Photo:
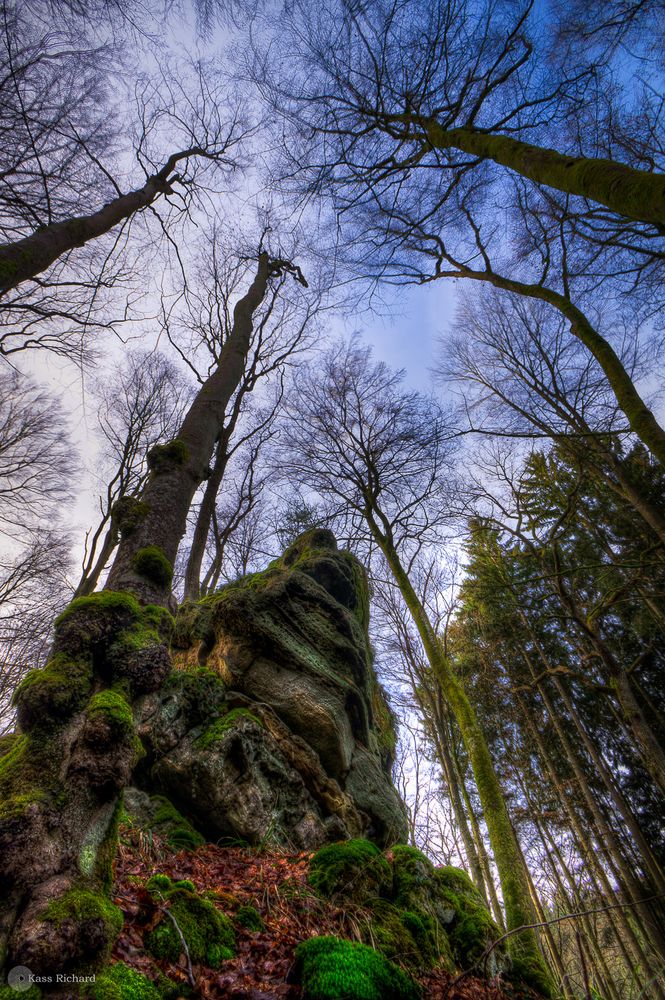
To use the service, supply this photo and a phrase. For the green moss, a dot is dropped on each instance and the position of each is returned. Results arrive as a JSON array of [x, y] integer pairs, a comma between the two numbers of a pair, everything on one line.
[[151, 563], [220, 727], [28, 774], [7, 742], [352, 868], [159, 619], [54, 692], [406, 936], [185, 883], [127, 513], [168, 822], [525, 971], [88, 624], [163, 457], [472, 928], [249, 918], [113, 709], [159, 883], [412, 876], [120, 982], [331, 968], [209, 934], [9, 993], [84, 905]]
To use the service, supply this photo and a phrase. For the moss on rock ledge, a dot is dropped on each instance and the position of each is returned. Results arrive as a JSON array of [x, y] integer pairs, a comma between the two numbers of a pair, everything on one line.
[[355, 869]]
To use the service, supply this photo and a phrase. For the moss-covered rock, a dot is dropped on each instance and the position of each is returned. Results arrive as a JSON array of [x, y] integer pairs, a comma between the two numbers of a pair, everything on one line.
[[354, 869], [208, 934], [316, 753], [330, 968], [87, 923], [412, 876], [405, 936], [472, 928], [124, 640], [179, 832]]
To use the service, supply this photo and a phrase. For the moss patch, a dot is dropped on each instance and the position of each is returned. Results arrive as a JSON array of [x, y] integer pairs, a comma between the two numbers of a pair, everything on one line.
[[28, 775], [220, 727], [413, 873], [330, 968], [472, 928], [249, 918], [163, 457], [168, 822], [209, 934], [120, 982], [112, 708], [127, 513], [353, 868], [55, 692], [151, 563]]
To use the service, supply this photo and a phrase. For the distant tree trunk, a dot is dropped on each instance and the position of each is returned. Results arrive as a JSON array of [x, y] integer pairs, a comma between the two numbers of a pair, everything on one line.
[[634, 889], [640, 418], [506, 849], [61, 783], [594, 854]]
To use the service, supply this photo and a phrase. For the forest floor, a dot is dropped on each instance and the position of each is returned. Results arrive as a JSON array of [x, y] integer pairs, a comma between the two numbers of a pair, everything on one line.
[[274, 882]]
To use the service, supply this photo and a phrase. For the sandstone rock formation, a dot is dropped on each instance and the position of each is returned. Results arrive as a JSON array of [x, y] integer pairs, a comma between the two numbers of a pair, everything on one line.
[[274, 728]]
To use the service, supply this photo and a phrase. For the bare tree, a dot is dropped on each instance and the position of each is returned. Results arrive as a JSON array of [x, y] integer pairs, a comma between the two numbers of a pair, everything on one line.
[[36, 467], [382, 455], [75, 223], [199, 327], [524, 377]]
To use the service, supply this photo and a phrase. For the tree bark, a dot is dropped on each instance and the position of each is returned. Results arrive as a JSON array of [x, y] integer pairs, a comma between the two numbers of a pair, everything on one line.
[[635, 194], [640, 418], [31, 255], [505, 846], [203, 521], [183, 465]]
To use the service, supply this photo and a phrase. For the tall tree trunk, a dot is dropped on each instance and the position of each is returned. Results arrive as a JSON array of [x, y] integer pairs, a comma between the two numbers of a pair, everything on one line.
[[635, 194], [524, 946], [640, 418], [179, 467], [28, 257], [203, 521], [61, 783]]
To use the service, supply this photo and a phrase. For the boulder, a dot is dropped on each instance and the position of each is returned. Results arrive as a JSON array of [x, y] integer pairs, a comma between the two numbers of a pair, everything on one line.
[[274, 728]]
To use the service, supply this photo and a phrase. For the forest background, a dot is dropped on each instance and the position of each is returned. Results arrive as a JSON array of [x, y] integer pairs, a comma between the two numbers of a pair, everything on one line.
[[304, 203]]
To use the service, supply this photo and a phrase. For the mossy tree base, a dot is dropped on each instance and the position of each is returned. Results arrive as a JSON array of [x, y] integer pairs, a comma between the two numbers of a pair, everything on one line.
[[61, 782]]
